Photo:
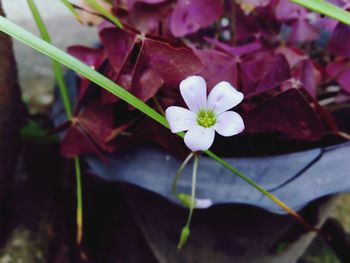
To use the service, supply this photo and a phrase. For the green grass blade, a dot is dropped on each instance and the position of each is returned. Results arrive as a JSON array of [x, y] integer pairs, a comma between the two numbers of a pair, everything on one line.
[[72, 9], [326, 8], [31, 40], [55, 65], [103, 11], [67, 104]]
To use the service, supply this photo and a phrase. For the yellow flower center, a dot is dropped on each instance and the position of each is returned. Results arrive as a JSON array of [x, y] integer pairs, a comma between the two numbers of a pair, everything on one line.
[[206, 118]]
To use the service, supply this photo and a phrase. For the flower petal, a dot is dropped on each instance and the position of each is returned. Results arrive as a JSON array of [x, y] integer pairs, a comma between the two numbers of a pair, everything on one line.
[[223, 97], [194, 91], [203, 203], [180, 119], [199, 138], [229, 123]]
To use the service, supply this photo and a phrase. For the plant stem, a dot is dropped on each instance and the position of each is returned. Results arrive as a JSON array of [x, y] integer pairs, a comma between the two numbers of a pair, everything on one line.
[[67, 104], [79, 196], [179, 172], [55, 65], [71, 9], [186, 229], [103, 11]]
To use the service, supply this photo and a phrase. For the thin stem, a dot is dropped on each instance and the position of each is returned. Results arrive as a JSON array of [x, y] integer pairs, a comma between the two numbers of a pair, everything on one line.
[[179, 172], [67, 104], [55, 65], [71, 9], [193, 189], [103, 11], [79, 194], [186, 229]]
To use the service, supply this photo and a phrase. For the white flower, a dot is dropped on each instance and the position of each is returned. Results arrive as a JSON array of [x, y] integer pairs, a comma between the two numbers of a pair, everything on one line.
[[205, 115]]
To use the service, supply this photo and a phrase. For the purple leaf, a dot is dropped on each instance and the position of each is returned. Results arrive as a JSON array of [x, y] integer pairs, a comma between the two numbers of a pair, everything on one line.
[[340, 41], [292, 54], [218, 66], [263, 71], [308, 75], [235, 50], [173, 64], [90, 56], [288, 113], [340, 70], [118, 44], [191, 15]]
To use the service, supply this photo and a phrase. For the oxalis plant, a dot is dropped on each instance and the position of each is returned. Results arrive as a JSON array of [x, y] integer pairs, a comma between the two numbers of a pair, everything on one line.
[[158, 56]]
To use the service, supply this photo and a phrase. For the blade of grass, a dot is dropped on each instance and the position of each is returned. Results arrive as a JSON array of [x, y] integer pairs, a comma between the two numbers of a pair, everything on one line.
[[325, 8], [56, 66], [31, 40], [67, 104], [71, 9], [103, 11]]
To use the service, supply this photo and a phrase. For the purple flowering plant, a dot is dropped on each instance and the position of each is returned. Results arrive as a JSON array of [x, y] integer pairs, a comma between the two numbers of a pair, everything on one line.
[[289, 64], [285, 69]]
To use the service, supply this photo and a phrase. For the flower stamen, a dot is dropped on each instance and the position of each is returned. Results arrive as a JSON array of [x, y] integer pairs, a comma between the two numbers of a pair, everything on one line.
[[206, 118]]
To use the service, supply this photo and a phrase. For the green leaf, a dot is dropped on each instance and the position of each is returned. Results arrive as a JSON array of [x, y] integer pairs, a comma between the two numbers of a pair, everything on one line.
[[34, 132], [325, 8], [103, 11]]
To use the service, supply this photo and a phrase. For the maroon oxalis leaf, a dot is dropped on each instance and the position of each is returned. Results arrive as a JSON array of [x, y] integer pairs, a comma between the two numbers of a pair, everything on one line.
[[157, 62], [118, 44], [131, 3], [287, 113], [303, 23], [263, 71], [292, 54], [340, 41], [190, 15], [236, 51], [260, 24], [340, 70], [308, 75], [173, 64], [218, 66], [145, 82], [93, 57], [303, 31], [90, 56], [89, 131]]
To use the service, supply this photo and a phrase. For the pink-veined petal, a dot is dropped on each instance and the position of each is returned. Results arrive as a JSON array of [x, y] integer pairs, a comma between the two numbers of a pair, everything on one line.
[[194, 92], [223, 97], [229, 123], [180, 119], [199, 138]]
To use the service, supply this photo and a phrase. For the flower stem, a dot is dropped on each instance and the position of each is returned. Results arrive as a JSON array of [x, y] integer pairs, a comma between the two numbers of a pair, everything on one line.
[[185, 233], [67, 104], [79, 212], [179, 172]]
